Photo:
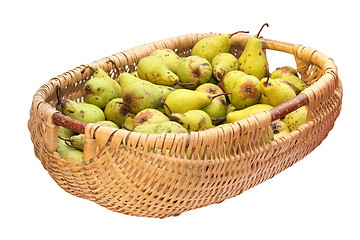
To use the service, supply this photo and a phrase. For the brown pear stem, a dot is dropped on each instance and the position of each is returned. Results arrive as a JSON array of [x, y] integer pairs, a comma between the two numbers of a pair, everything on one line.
[[167, 106], [232, 34], [219, 118], [185, 84], [220, 94], [258, 34]]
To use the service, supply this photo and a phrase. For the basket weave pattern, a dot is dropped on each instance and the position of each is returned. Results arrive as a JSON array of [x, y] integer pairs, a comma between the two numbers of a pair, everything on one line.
[[162, 175]]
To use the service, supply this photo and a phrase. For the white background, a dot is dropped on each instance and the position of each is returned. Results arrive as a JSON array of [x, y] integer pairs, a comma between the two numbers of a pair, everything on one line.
[[317, 198]]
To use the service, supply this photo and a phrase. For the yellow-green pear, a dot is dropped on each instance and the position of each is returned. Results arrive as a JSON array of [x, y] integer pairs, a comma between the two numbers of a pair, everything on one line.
[[116, 111], [223, 63], [148, 116], [276, 91], [155, 70], [245, 91], [244, 113], [279, 129], [287, 73], [82, 111], [211, 46], [193, 120], [98, 91], [225, 82], [171, 59], [253, 59], [169, 127], [100, 73], [296, 118]]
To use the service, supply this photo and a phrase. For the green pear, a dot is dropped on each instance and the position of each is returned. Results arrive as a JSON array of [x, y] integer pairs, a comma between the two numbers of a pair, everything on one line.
[[65, 133], [253, 60], [224, 63], [296, 118], [217, 108], [183, 100], [148, 116], [82, 111], [245, 91], [108, 123], [193, 120], [77, 141], [74, 154], [98, 91], [246, 112], [211, 46], [116, 111], [279, 129], [100, 73], [287, 73], [161, 127], [129, 122], [276, 91], [140, 94], [171, 59], [194, 71], [226, 81], [155, 70], [134, 73]]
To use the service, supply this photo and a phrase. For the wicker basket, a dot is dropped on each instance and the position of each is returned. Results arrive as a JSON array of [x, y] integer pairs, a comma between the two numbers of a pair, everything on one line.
[[162, 175]]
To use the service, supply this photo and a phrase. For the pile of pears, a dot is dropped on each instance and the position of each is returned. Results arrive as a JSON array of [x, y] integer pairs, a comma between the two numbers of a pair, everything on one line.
[[171, 94]]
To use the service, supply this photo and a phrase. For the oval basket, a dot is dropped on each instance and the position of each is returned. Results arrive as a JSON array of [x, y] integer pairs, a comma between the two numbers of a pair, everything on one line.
[[162, 175]]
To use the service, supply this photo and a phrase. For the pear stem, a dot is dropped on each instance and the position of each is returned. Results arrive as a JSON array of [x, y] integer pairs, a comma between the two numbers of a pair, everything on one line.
[[219, 118], [232, 34], [265, 24], [123, 126], [185, 84], [66, 141], [220, 94], [167, 106]]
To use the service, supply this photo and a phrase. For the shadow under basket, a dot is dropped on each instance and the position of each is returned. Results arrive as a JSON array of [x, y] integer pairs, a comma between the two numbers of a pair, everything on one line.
[[162, 175]]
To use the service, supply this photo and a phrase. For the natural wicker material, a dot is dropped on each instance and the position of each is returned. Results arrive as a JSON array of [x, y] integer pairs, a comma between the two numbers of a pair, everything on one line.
[[164, 175]]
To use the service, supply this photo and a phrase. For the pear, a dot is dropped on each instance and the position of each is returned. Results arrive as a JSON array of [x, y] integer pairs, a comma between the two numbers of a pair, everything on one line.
[[134, 73], [155, 70], [108, 124], [98, 91], [161, 127], [129, 122], [62, 145], [224, 63], [82, 111], [279, 129], [65, 133], [171, 59], [100, 73], [74, 154], [194, 71], [276, 91], [148, 116], [77, 141], [140, 94], [217, 108], [116, 111], [166, 90], [296, 118], [245, 91], [253, 60], [244, 113], [227, 79], [183, 100], [211, 46], [193, 120], [289, 74]]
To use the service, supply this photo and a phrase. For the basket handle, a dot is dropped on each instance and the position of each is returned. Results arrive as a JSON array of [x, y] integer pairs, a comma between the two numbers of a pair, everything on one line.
[[276, 113]]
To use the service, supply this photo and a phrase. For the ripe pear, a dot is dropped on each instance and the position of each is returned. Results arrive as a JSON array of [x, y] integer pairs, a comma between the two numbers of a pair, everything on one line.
[[287, 73], [74, 154], [224, 63], [276, 91], [194, 71], [193, 120], [279, 129], [217, 108], [129, 122], [77, 141], [148, 116], [82, 111], [244, 113], [211, 46], [183, 100], [245, 91], [296, 118], [134, 73], [116, 111], [65, 133], [161, 127], [155, 70], [140, 94], [253, 60], [171, 59], [100, 73], [108, 123], [227, 79], [98, 91]]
